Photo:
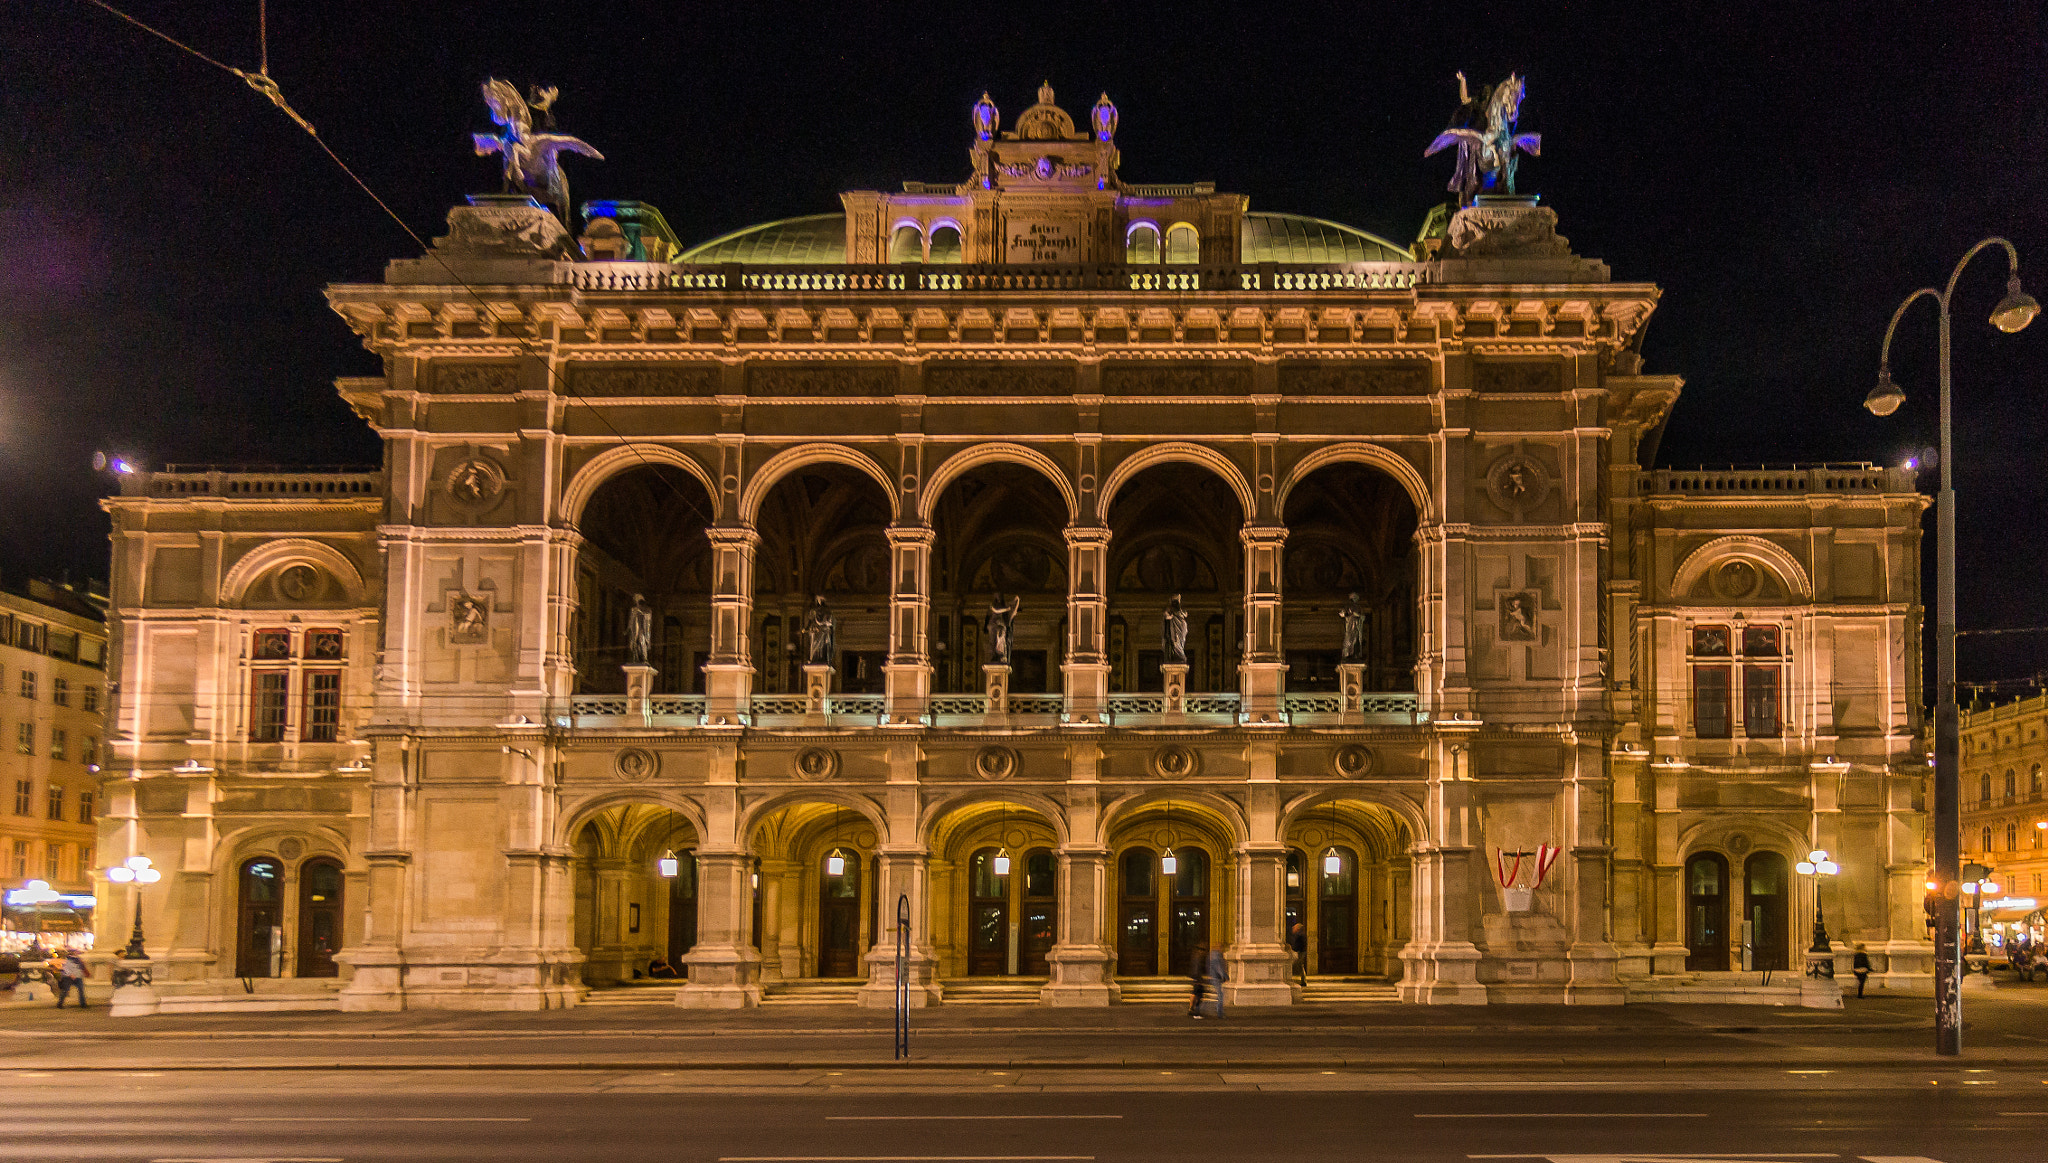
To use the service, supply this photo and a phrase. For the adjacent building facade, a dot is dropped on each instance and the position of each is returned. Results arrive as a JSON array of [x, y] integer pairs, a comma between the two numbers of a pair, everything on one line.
[[1083, 572], [53, 686], [2005, 816]]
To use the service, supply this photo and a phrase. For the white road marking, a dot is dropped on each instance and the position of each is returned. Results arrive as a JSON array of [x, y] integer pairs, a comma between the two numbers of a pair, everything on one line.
[[1566, 1115], [949, 1118], [1716, 1158], [259, 1159], [901, 1158], [376, 1119]]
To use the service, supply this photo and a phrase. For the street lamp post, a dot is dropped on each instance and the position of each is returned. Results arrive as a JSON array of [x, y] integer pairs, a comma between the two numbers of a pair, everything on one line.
[[2013, 312], [1817, 865], [136, 870]]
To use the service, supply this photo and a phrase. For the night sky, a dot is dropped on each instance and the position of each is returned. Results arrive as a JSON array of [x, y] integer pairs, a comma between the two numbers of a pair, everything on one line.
[[1786, 173]]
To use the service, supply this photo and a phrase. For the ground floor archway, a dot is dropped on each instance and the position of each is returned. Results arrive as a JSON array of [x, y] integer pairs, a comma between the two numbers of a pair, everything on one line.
[[634, 872]]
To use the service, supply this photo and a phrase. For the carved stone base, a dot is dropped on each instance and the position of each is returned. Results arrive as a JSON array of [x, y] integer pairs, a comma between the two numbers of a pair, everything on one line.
[[921, 980], [817, 685], [1260, 975], [1080, 977], [995, 683], [1174, 677], [720, 979], [135, 993], [1819, 990], [639, 687], [1506, 225], [1351, 689]]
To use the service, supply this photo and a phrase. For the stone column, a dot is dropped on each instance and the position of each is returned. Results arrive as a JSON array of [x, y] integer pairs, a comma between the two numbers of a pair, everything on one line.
[[378, 983], [908, 672], [1080, 963], [904, 874], [1087, 665], [729, 673], [724, 968], [1260, 961], [1441, 960], [610, 960], [772, 872], [1262, 673]]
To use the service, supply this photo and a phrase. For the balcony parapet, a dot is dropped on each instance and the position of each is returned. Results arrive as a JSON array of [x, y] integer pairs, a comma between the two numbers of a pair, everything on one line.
[[1785, 480], [969, 712], [728, 278], [321, 482]]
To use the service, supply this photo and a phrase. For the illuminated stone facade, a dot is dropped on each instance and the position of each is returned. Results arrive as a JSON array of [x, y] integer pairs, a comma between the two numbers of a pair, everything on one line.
[[2005, 803], [1435, 616]]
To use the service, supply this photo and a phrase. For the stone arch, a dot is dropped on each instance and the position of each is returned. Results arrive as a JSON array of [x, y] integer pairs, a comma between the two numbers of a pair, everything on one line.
[[1765, 833], [1055, 815], [576, 813], [866, 808], [974, 456], [1404, 809], [1359, 452], [263, 838], [1168, 452], [789, 460], [1119, 811], [613, 461], [1761, 551], [254, 564]]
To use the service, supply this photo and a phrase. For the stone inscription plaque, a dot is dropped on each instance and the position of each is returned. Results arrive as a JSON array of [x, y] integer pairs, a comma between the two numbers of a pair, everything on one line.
[[1523, 376], [968, 379], [1130, 378], [821, 381], [474, 379], [1394, 379], [1046, 240], [642, 379]]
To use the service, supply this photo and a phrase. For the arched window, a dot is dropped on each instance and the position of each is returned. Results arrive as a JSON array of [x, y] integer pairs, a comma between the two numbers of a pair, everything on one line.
[[907, 244], [1137, 950], [1041, 911], [1183, 244], [1987, 839], [259, 939], [2012, 837], [946, 245], [2011, 784], [1142, 244], [1190, 905]]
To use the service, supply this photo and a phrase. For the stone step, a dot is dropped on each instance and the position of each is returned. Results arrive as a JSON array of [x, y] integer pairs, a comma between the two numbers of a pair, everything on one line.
[[813, 991], [663, 994]]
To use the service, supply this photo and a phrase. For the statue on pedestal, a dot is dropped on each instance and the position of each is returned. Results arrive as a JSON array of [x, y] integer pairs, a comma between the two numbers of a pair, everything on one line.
[[1353, 617], [1174, 635], [818, 626], [639, 632], [531, 167], [1483, 129], [1002, 619]]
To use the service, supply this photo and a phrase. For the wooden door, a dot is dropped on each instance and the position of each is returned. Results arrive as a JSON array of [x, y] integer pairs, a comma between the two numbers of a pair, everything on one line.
[[839, 917], [988, 916], [1041, 912], [1765, 887], [319, 918], [259, 932], [1706, 912], [1189, 901], [1137, 944], [1297, 894], [1337, 912], [682, 909]]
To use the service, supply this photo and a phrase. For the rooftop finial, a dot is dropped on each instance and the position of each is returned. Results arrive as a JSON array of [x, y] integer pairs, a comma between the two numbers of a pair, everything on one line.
[[985, 117], [1103, 117], [1045, 93]]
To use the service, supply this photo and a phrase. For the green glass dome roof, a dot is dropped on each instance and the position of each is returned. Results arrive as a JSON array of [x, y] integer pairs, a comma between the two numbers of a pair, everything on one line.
[[812, 239], [1270, 237]]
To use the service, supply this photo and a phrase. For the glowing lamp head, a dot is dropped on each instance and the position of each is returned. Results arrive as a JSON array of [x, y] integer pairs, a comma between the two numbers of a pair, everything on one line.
[[120, 875], [1829, 868], [835, 864], [2016, 310], [1970, 887], [1002, 862], [668, 864], [1805, 867], [1293, 878], [1992, 888], [147, 876], [1885, 398], [1169, 863], [1332, 863], [1931, 886]]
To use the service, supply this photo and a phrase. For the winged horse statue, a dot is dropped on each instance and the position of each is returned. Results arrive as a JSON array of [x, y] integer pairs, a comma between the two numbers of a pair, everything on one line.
[[531, 166], [1483, 129]]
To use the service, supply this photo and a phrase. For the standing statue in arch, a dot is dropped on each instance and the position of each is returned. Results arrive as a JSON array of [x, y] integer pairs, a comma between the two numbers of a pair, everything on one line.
[[1353, 617], [531, 167], [1002, 624], [1483, 129], [639, 632], [1174, 634], [818, 625]]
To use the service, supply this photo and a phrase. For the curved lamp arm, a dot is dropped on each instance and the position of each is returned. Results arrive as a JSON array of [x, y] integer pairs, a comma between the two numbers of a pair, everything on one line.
[[1884, 360], [2012, 264]]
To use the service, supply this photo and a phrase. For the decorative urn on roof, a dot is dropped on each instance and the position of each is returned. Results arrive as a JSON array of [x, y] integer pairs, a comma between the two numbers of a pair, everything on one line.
[[1103, 118]]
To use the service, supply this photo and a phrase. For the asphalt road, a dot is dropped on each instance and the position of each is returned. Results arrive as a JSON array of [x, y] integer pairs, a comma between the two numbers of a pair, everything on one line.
[[1951, 1115]]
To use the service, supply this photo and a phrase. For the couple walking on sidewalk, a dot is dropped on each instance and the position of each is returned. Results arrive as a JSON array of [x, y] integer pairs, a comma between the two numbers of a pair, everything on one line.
[[1205, 971]]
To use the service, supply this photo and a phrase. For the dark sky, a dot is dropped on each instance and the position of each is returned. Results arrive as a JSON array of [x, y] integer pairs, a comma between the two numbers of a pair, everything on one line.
[[1785, 172]]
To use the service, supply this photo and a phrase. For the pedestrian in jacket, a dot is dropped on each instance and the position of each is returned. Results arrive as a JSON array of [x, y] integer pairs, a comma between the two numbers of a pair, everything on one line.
[[1860, 966]]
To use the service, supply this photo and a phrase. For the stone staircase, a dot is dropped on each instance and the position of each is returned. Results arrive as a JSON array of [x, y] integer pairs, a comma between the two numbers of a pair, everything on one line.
[[992, 991], [1349, 991], [634, 993], [812, 991]]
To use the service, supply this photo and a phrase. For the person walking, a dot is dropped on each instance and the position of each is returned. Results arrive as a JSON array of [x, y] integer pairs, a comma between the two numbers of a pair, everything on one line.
[[1198, 977], [71, 974], [1860, 966], [1297, 940], [1217, 975]]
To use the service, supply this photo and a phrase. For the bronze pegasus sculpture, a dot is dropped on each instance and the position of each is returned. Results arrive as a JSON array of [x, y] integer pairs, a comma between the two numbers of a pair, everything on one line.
[[531, 166], [1483, 129]]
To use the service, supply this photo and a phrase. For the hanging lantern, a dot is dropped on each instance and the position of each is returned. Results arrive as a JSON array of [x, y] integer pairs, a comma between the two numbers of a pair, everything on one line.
[[835, 864], [1332, 863], [1294, 878], [1168, 863], [1002, 862], [668, 864]]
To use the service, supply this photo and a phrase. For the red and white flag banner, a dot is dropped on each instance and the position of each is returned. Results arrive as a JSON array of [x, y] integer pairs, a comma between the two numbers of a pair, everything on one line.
[[1546, 855], [1505, 872]]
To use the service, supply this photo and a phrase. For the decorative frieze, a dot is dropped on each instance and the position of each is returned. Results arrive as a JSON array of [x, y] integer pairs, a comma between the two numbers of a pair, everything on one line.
[[981, 379], [473, 379], [1518, 376], [1134, 378], [644, 379], [821, 381], [1355, 379]]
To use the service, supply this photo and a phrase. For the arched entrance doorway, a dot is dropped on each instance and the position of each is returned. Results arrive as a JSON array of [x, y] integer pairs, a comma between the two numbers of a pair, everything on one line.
[[1706, 912], [994, 877], [319, 917], [817, 898], [1348, 878], [634, 871], [259, 941], [1767, 909], [1173, 866], [644, 534], [1350, 530]]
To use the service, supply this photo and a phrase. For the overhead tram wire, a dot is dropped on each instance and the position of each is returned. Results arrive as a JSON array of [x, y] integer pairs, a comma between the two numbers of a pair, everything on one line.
[[261, 81]]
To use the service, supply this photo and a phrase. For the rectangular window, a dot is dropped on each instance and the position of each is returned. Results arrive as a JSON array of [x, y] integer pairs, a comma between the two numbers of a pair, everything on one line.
[[84, 863], [1710, 642], [28, 684], [56, 802], [25, 738], [89, 751], [323, 706], [58, 743], [267, 706], [64, 645], [85, 807], [53, 853], [60, 691], [1710, 702], [323, 645], [89, 698], [272, 644], [24, 794]]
